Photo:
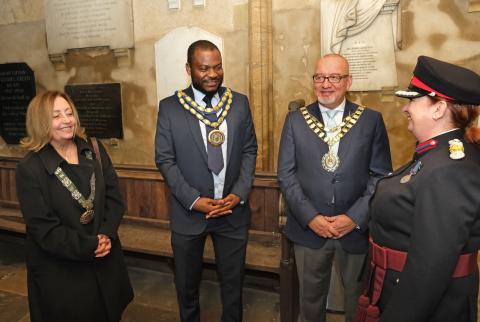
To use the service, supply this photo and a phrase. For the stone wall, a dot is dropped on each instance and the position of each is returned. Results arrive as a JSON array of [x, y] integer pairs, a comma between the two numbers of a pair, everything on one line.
[[270, 48]]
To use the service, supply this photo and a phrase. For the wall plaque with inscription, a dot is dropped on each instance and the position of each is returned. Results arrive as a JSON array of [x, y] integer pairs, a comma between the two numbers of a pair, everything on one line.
[[17, 88], [99, 108], [364, 32], [88, 23]]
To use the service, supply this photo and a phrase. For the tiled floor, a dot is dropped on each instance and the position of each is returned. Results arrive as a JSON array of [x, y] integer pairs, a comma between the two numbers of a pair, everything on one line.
[[154, 291]]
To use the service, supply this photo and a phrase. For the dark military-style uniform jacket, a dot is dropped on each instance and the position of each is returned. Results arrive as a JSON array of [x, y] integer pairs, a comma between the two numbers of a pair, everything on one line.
[[434, 215], [65, 280]]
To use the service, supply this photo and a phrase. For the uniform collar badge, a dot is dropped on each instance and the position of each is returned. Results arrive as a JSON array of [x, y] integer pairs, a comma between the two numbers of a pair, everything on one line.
[[456, 149]]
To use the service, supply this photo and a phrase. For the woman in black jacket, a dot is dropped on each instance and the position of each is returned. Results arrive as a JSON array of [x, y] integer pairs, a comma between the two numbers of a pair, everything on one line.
[[71, 203], [425, 217]]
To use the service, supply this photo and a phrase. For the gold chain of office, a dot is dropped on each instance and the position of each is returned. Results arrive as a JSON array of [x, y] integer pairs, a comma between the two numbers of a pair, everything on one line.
[[215, 137], [190, 105], [320, 130], [331, 161], [87, 204]]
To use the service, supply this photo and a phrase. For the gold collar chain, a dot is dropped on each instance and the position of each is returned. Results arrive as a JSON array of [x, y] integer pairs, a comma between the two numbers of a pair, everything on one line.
[[319, 129], [87, 204], [185, 99], [189, 104]]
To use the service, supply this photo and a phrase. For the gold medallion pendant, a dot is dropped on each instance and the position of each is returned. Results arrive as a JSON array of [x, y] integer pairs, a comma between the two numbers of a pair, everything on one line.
[[216, 137], [330, 161], [87, 217]]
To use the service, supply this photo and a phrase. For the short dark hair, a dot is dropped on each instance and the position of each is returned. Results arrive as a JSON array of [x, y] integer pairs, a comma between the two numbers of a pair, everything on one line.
[[199, 44]]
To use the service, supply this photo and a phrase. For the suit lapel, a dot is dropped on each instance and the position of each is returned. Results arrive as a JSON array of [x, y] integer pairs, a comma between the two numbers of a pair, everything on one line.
[[314, 110], [231, 125], [345, 142], [194, 126]]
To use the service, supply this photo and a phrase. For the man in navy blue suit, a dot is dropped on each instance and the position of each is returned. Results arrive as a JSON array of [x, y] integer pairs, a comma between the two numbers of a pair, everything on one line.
[[205, 148], [331, 154]]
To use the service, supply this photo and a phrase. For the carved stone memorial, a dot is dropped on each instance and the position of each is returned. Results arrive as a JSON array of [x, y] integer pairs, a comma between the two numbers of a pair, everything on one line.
[[366, 32], [99, 108], [17, 88], [88, 23]]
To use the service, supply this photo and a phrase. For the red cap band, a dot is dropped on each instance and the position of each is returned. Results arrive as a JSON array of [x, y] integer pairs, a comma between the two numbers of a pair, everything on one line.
[[418, 83]]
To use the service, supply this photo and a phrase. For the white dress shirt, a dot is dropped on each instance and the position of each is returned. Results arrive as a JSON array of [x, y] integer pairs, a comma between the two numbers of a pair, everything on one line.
[[338, 119], [218, 180]]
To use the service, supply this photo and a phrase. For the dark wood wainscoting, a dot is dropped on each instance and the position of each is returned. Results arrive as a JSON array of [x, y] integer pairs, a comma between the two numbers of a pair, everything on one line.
[[146, 222]]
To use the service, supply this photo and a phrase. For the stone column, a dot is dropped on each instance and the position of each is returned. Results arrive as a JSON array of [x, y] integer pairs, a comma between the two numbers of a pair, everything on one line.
[[260, 78]]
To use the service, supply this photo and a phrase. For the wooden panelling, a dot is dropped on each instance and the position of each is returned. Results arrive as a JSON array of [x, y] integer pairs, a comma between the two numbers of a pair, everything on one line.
[[146, 198]]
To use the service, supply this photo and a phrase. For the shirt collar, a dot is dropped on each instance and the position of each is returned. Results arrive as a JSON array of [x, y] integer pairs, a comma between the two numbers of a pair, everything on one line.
[[198, 96], [340, 107]]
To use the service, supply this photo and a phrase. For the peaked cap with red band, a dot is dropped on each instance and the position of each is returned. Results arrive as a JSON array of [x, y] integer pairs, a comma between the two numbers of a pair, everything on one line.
[[440, 79]]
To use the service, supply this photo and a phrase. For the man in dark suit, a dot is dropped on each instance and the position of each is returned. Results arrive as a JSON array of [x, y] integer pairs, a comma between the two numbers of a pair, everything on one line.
[[205, 148], [331, 154]]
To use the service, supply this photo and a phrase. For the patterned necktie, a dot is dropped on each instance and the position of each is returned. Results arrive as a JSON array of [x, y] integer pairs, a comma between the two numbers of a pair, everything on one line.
[[215, 156], [330, 119], [330, 122]]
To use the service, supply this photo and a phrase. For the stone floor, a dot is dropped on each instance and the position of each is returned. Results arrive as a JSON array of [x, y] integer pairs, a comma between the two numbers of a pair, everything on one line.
[[154, 290]]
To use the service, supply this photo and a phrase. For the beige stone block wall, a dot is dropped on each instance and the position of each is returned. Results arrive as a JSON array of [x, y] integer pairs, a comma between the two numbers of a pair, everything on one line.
[[444, 29], [22, 30]]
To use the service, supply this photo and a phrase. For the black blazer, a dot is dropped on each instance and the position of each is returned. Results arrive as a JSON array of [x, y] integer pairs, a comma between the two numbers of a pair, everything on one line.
[[435, 217], [181, 157], [309, 189], [60, 250]]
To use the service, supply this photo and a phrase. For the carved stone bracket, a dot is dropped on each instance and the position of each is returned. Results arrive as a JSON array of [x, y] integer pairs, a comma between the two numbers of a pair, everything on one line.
[[389, 6], [199, 3], [123, 56], [174, 4], [473, 5], [58, 61], [388, 94]]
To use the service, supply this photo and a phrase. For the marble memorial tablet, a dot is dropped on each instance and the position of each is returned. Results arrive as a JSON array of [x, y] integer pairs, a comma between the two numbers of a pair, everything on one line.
[[88, 23]]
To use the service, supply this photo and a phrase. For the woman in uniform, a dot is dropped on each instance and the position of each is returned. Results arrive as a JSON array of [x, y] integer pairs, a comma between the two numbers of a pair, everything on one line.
[[425, 217], [71, 203]]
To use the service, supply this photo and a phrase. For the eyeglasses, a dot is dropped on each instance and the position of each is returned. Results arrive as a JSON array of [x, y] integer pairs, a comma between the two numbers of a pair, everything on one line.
[[317, 78]]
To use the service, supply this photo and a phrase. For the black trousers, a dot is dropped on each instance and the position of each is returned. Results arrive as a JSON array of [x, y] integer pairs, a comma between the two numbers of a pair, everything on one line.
[[230, 246]]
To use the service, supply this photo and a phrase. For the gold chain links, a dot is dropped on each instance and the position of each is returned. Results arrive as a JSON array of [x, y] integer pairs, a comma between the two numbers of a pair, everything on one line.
[[320, 130], [190, 105]]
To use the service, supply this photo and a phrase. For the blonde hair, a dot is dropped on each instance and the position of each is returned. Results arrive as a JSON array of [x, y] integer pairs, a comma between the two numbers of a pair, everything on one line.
[[39, 120]]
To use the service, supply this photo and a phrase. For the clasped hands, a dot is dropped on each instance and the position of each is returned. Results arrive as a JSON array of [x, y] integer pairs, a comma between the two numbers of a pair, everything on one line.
[[104, 246], [332, 227], [216, 207]]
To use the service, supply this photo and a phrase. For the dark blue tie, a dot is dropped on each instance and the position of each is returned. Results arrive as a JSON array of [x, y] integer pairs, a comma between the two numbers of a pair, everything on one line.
[[215, 156]]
